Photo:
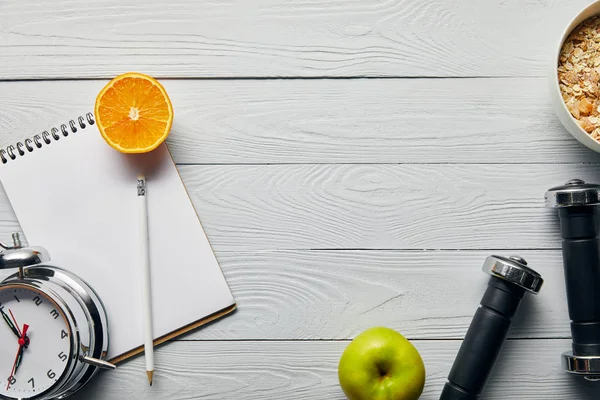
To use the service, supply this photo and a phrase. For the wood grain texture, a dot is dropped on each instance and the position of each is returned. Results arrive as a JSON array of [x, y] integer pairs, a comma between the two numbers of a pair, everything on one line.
[[420, 164], [379, 206], [308, 370], [338, 294], [329, 121], [314, 295], [274, 207], [277, 38]]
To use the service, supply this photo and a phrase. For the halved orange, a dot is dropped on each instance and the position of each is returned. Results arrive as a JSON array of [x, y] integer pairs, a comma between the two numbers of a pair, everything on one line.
[[134, 113]]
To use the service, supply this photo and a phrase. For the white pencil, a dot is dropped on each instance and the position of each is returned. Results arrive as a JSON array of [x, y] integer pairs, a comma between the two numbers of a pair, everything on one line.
[[145, 265]]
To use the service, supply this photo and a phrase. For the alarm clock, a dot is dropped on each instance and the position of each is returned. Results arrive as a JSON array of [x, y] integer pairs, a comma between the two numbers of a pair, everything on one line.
[[53, 328]]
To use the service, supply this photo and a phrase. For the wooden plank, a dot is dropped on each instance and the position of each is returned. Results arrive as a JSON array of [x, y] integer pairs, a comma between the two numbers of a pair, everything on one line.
[[329, 121], [338, 294], [379, 206], [276, 38], [308, 370], [275, 207]]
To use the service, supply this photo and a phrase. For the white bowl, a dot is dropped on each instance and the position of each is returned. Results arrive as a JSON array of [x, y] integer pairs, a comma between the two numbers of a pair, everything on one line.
[[560, 107]]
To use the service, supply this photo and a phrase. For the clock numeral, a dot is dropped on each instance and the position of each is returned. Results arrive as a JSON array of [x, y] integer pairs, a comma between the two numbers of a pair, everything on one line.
[[17, 299], [37, 300], [51, 374], [63, 334], [12, 380], [32, 383], [54, 313], [62, 356]]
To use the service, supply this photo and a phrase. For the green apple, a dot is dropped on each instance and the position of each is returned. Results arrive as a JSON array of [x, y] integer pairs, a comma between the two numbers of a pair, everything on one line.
[[381, 364]]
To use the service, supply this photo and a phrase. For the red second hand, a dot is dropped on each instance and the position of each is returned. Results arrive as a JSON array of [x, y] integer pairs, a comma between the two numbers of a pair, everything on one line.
[[22, 341], [15, 321]]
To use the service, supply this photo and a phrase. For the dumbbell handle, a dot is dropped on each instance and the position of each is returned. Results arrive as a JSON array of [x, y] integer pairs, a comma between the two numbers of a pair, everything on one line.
[[581, 257], [483, 341]]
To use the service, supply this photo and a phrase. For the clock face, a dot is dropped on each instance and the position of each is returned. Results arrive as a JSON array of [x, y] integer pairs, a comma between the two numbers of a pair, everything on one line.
[[35, 342]]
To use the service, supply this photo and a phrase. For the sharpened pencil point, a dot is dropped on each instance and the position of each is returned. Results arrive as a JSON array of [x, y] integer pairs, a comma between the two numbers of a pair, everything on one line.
[[150, 376]]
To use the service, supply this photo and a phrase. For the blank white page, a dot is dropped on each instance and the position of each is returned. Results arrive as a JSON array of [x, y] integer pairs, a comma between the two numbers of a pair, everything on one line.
[[77, 198]]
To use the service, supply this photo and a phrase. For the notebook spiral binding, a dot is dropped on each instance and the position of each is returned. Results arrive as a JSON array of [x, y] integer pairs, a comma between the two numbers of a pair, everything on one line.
[[45, 137]]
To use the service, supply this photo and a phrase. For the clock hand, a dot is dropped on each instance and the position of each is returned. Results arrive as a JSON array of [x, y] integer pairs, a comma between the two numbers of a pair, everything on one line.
[[19, 331], [15, 320], [10, 323], [22, 341], [12, 373]]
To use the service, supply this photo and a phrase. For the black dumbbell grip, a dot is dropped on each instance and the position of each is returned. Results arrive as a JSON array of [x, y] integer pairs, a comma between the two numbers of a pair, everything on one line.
[[483, 341], [581, 259]]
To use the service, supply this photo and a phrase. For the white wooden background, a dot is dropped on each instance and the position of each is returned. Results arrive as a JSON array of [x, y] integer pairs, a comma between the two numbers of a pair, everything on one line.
[[353, 163]]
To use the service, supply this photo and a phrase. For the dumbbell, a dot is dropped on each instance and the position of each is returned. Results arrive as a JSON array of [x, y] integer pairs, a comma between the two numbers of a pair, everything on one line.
[[510, 279], [579, 212]]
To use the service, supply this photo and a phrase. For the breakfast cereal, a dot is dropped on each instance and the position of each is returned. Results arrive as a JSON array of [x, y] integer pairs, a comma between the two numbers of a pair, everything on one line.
[[579, 74]]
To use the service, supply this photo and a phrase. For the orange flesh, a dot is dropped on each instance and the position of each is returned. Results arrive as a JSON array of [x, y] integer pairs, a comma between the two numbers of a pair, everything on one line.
[[134, 113]]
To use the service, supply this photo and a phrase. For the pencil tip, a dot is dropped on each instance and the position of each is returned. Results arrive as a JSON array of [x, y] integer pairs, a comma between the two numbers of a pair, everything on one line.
[[150, 376]]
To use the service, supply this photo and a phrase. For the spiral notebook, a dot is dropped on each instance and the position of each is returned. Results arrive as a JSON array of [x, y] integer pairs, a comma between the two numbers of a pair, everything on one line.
[[76, 196]]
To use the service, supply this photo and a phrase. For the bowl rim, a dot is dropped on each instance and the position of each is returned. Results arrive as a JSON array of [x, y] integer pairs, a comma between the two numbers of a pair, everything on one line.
[[593, 10]]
